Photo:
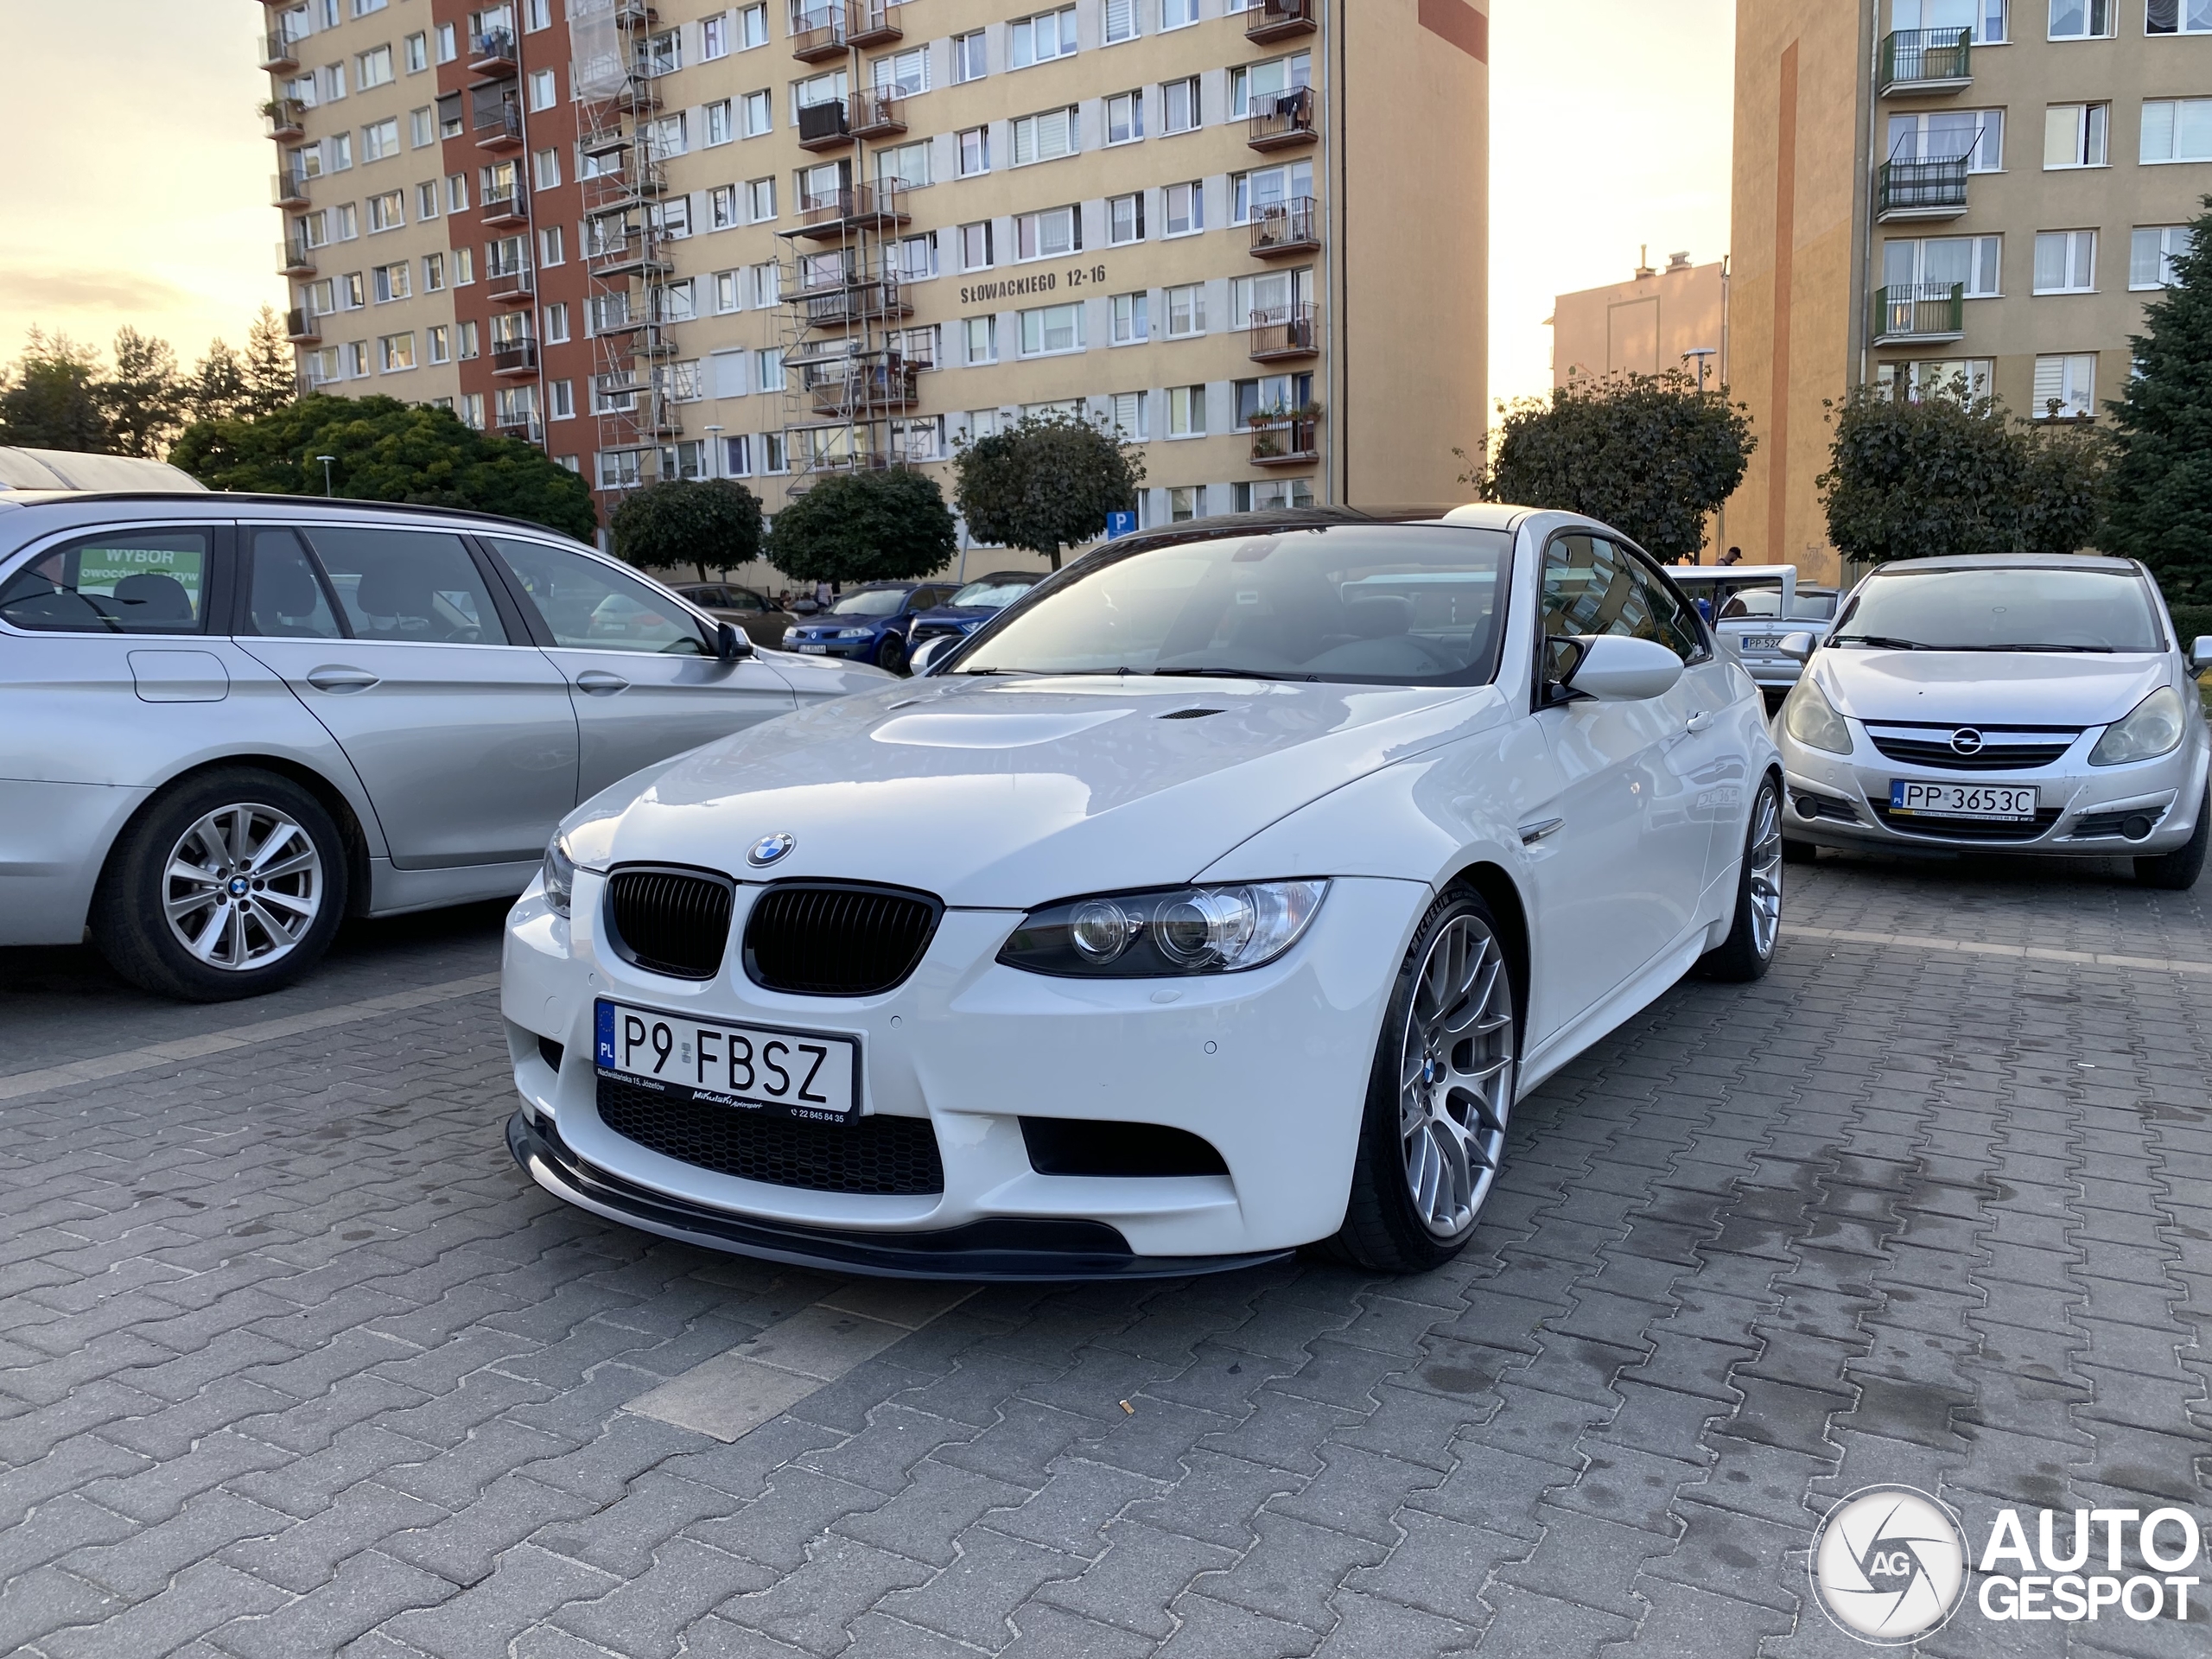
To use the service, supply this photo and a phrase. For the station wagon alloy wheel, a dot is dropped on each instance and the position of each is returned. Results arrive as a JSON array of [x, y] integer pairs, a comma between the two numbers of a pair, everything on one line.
[[243, 886], [1763, 860], [1455, 1087]]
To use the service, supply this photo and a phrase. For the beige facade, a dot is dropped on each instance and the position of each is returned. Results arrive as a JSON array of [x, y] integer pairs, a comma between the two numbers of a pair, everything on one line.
[[1656, 320], [361, 186], [1982, 192]]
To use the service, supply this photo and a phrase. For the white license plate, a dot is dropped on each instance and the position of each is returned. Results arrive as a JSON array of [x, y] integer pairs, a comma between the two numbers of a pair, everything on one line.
[[764, 1069], [1762, 642], [815, 651], [1925, 800]]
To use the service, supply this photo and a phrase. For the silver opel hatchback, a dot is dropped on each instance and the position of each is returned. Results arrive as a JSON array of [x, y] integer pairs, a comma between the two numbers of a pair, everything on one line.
[[228, 721]]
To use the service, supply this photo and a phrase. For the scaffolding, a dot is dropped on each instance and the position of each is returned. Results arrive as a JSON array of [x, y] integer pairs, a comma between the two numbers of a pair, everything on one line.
[[624, 248], [847, 373]]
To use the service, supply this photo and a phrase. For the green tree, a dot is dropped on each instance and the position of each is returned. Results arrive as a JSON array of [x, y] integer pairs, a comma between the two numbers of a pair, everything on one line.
[[271, 374], [216, 390], [2161, 508], [1046, 482], [49, 399], [385, 450], [887, 526], [1649, 455], [710, 524], [142, 399]]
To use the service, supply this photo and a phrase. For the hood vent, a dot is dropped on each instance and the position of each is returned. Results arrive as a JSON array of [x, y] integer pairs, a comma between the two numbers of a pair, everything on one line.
[[1191, 714]]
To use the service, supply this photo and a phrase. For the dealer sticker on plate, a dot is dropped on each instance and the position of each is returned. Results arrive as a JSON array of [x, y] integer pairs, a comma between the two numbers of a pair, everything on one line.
[[764, 1069], [1928, 800]]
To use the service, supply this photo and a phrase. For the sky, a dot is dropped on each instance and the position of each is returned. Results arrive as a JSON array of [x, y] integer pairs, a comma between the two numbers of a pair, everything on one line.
[[137, 188]]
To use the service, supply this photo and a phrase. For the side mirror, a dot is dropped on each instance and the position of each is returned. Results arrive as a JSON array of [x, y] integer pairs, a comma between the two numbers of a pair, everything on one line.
[[931, 655], [2200, 654], [1798, 646], [1615, 668], [729, 644]]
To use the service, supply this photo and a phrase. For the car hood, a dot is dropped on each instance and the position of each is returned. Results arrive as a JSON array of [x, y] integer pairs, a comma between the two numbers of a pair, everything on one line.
[[1008, 794], [1980, 688]]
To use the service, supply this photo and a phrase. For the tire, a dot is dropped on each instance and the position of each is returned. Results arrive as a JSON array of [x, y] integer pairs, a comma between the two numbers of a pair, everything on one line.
[[1417, 1193], [250, 941], [1748, 952], [2178, 871], [890, 654]]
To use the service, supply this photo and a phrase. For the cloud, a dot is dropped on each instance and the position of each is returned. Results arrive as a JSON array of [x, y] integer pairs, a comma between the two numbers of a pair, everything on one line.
[[110, 293]]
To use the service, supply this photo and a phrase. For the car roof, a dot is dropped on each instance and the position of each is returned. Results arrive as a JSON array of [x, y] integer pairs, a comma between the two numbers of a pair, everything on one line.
[[2013, 562], [223, 504], [1259, 522], [1001, 575]]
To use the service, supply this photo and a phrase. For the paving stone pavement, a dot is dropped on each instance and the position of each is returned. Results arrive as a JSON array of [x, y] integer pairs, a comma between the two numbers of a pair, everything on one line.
[[294, 1362]]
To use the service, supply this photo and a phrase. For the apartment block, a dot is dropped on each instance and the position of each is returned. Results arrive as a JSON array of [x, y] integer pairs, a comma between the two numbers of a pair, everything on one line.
[[777, 240], [1977, 192], [1657, 321]]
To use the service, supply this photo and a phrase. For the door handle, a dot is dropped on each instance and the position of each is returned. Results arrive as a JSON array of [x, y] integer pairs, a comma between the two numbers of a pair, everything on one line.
[[600, 683], [1698, 722], [1533, 833], [339, 678]]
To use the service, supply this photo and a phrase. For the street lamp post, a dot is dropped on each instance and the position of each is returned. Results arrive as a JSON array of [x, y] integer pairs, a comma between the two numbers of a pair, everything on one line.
[[326, 461], [1704, 354]]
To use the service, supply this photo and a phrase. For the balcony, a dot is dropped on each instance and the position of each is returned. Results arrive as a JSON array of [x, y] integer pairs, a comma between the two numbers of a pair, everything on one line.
[[634, 14], [288, 118], [1285, 119], [1292, 226], [860, 301], [295, 258], [874, 25], [1284, 333], [860, 387], [636, 256], [303, 327], [1906, 190], [498, 126], [510, 287], [527, 428], [1278, 20], [651, 341], [878, 115], [1286, 441], [492, 52], [820, 32], [514, 356], [289, 188], [824, 126], [1920, 62], [828, 216], [280, 54], [1920, 313], [511, 208]]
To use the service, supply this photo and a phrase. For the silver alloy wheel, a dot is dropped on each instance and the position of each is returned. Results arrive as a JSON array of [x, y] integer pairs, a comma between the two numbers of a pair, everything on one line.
[[242, 886], [1764, 856], [1455, 1081]]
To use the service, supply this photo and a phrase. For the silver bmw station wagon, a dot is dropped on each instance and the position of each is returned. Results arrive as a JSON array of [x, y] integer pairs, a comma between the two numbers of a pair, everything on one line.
[[229, 721]]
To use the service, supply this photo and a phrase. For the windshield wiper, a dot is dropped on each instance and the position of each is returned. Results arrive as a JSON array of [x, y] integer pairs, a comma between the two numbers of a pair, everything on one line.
[[1226, 674], [2100, 650], [1879, 641]]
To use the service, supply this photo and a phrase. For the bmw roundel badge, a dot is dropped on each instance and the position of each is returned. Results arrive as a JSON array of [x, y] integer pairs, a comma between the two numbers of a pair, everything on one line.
[[770, 850]]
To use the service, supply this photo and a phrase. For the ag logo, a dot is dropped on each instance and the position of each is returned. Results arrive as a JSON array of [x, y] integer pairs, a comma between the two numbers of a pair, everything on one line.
[[1889, 1565]]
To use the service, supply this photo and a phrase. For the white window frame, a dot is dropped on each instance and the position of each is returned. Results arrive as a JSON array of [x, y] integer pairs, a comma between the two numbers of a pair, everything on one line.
[[1193, 91], [1193, 195], [1123, 20], [1025, 37], [972, 143], [2169, 243], [1029, 233], [1037, 323], [2090, 12], [1192, 298], [979, 340], [2076, 256], [1062, 125], [2091, 144], [972, 58], [2061, 378], [2177, 115], [1186, 413], [2191, 18], [1131, 105], [1114, 219], [1129, 319]]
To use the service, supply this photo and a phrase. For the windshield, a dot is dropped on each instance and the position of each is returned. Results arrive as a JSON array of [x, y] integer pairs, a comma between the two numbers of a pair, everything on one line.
[[2017, 607], [995, 595], [1378, 604], [1756, 603], [874, 601]]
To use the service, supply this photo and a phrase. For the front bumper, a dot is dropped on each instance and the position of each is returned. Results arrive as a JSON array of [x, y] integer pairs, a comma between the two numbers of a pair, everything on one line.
[[853, 650], [1269, 1067], [2088, 811]]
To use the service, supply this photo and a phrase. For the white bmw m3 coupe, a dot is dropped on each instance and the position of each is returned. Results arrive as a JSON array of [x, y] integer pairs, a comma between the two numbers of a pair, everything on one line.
[[1216, 899]]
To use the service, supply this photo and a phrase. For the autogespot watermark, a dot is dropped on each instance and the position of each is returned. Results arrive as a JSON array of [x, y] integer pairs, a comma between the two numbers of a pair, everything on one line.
[[1890, 1564]]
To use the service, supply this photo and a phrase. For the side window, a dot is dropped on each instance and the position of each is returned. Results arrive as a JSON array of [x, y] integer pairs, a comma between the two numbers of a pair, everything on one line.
[[1592, 586], [589, 607], [411, 587], [284, 598], [119, 582]]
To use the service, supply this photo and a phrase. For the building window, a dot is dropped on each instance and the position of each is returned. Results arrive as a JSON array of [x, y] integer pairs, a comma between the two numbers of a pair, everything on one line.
[[1120, 21], [426, 199], [1132, 319], [1177, 14], [1178, 106], [2152, 251], [766, 283], [1187, 311], [464, 267], [1186, 208], [387, 211], [536, 15], [1051, 330], [760, 200], [1183, 503], [1046, 137], [1978, 134], [1124, 118], [395, 353], [679, 382], [1971, 378], [2176, 130], [1271, 493], [685, 460], [759, 117], [2178, 17], [979, 340], [1048, 235], [752, 27], [675, 302], [416, 52], [544, 90], [2080, 20], [968, 62], [434, 273], [466, 334], [552, 246], [373, 68], [1970, 262], [389, 283], [2066, 262], [902, 74], [1986, 17], [448, 49], [1040, 38], [669, 137], [545, 169], [1265, 189], [457, 193], [975, 151], [722, 206], [422, 127], [2074, 134], [664, 53], [915, 259], [380, 140], [768, 369], [345, 222], [1258, 85], [737, 455], [2066, 388], [1186, 411], [774, 458], [556, 323], [714, 39], [905, 165], [338, 152], [438, 339], [720, 125], [976, 245], [352, 296], [619, 469]]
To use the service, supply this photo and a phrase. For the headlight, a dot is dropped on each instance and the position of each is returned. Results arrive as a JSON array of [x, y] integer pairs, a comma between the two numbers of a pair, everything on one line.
[[851, 634], [1810, 718], [2154, 728], [1169, 932], [560, 875]]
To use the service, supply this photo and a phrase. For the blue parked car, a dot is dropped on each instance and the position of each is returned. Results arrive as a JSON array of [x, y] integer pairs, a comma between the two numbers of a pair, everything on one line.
[[973, 606], [868, 625]]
